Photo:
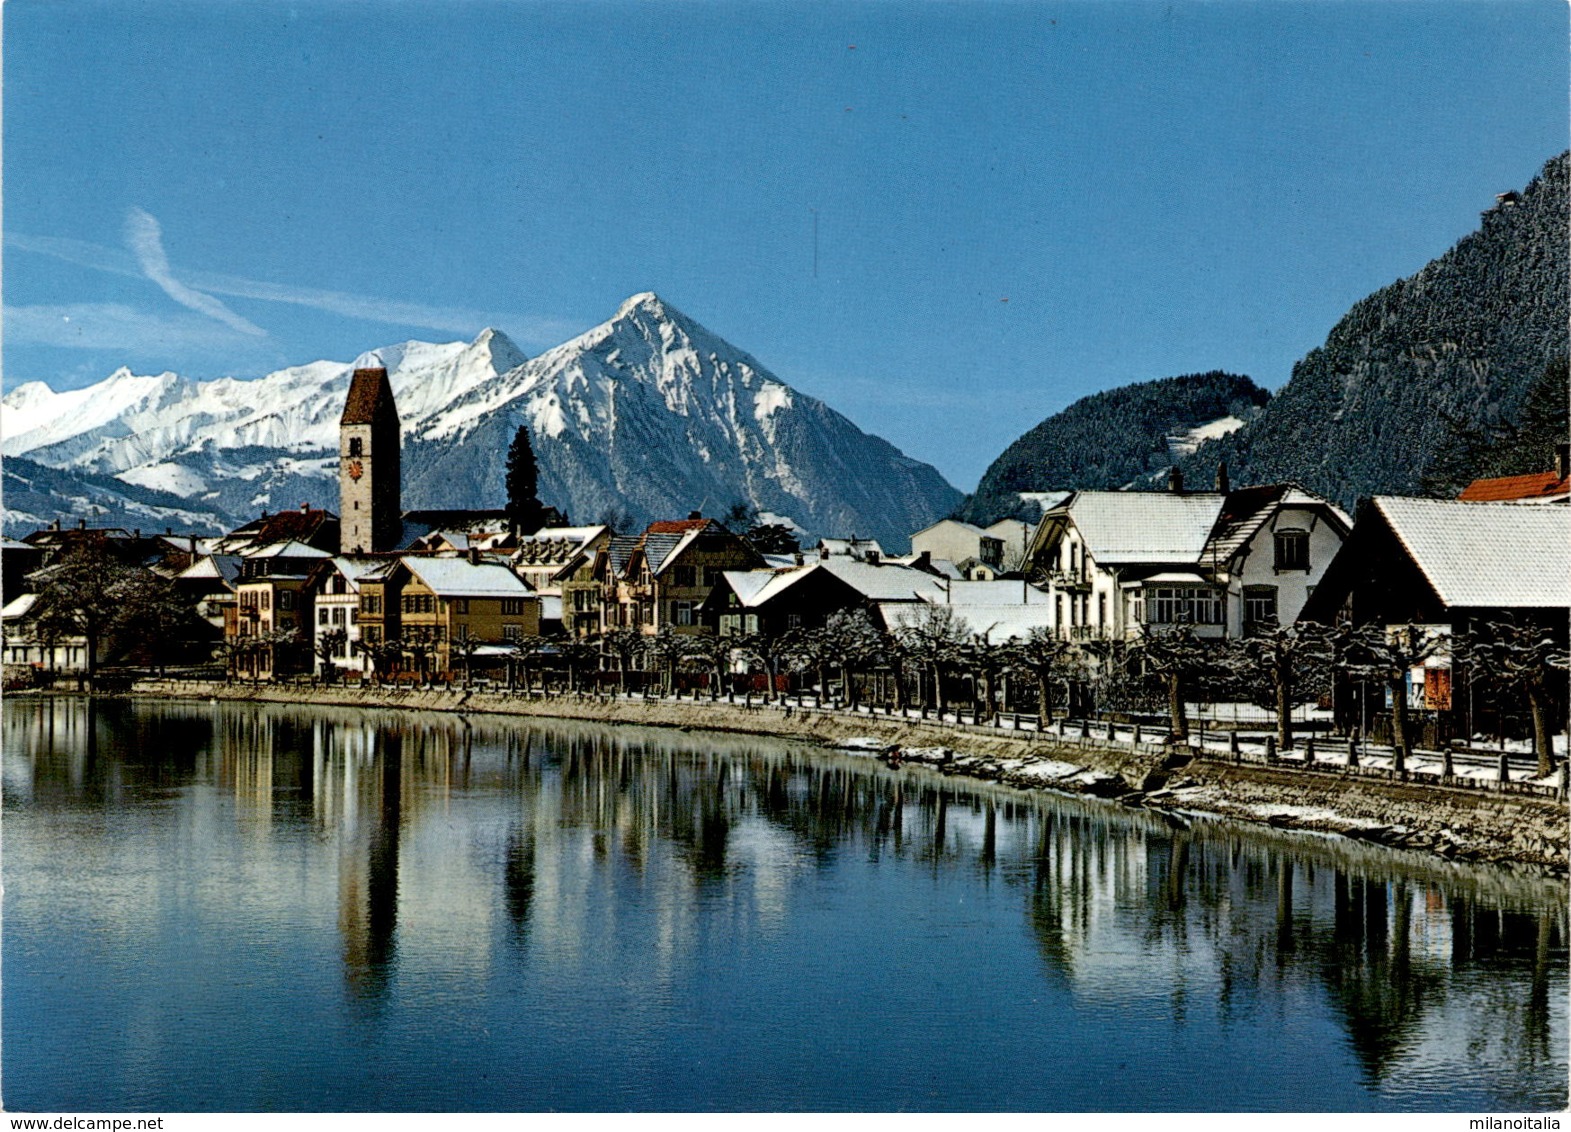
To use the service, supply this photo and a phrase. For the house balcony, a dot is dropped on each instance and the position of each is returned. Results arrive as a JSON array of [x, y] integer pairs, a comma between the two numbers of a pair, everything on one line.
[[1065, 580]]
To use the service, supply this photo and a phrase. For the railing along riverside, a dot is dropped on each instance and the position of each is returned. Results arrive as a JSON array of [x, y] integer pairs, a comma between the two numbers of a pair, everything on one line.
[[1313, 755]]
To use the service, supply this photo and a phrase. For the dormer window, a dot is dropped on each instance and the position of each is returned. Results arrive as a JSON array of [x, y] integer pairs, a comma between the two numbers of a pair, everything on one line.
[[1292, 550]]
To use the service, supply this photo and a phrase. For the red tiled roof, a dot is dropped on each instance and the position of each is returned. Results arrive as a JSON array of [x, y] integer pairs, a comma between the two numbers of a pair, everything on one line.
[[677, 526], [368, 390], [1534, 486]]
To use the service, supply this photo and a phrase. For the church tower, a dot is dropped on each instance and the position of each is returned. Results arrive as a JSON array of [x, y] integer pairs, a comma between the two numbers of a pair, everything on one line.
[[370, 515]]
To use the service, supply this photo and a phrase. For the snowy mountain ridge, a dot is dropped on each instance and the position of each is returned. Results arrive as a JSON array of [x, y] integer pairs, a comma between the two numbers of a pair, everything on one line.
[[647, 412]]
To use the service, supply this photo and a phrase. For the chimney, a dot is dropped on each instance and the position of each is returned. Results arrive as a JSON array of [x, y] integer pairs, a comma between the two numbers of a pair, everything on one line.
[[695, 515], [872, 558], [136, 533], [823, 552], [1562, 460], [55, 526], [799, 559], [1222, 486], [474, 556], [81, 524], [169, 530], [1175, 481], [305, 508]]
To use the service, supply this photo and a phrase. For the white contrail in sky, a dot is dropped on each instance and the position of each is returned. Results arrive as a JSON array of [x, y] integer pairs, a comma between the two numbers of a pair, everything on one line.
[[113, 261], [146, 240]]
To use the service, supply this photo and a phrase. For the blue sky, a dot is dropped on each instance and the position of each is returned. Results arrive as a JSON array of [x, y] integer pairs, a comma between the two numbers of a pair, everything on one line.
[[1015, 204]]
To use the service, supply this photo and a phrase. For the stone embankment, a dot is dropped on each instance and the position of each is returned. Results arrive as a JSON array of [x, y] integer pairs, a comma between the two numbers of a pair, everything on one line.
[[1470, 824]]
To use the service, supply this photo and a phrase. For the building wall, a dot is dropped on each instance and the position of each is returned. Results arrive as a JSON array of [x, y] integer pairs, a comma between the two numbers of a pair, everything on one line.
[[1292, 586], [957, 541], [370, 514]]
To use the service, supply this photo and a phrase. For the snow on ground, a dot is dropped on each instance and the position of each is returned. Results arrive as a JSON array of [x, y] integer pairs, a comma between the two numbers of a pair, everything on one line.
[[174, 478], [1049, 770], [1182, 444]]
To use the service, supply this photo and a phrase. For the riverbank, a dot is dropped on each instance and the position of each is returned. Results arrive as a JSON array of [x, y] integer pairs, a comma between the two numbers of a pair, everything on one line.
[[1456, 822]]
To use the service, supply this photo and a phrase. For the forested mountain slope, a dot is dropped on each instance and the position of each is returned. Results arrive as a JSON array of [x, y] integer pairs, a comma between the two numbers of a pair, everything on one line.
[[1110, 439], [1453, 348]]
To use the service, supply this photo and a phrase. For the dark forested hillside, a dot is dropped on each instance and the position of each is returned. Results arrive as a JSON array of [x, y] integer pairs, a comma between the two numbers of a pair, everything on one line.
[[1108, 440], [1458, 346]]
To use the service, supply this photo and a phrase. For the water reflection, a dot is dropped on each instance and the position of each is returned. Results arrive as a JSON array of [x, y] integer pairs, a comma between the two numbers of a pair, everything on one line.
[[456, 848]]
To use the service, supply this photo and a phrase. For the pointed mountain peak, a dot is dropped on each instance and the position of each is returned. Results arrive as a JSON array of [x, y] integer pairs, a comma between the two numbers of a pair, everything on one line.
[[504, 352], [647, 304]]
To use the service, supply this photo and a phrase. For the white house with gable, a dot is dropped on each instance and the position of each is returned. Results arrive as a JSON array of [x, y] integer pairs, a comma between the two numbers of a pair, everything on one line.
[[1117, 564]]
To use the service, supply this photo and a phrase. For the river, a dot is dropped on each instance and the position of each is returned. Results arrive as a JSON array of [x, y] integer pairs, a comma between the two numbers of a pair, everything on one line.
[[232, 907]]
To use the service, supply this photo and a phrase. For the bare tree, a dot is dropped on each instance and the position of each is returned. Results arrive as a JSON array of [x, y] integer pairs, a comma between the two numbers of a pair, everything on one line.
[[1179, 658], [1387, 654], [853, 641], [466, 644], [80, 595], [625, 645], [933, 639], [1518, 658], [1284, 656], [1042, 656], [327, 647], [767, 652], [712, 655]]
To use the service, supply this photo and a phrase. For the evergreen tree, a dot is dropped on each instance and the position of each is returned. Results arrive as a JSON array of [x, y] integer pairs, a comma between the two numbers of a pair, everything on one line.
[[524, 511]]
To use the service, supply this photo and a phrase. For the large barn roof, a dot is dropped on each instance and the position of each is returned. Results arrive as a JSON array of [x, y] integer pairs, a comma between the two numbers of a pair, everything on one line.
[[1486, 555]]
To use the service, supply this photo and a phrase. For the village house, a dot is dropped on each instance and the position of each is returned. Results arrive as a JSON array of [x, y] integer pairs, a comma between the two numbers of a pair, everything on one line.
[[979, 554], [439, 610], [1451, 567], [662, 577], [557, 560], [773, 602], [270, 632], [306, 524], [1121, 563], [334, 589]]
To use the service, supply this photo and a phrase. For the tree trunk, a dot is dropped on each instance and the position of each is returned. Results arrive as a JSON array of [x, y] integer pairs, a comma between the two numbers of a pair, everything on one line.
[[1178, 721], [1044, 698], [938, 690], [897, 671], [1542, 743], [1401, 747], [1284, 710], [987, 697]]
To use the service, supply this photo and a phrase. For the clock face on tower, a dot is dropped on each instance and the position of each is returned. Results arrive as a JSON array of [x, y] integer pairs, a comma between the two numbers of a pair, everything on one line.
[[356, 469]]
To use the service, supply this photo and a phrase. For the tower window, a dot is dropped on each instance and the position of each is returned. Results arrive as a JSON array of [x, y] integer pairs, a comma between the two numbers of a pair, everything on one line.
[[356, 446]]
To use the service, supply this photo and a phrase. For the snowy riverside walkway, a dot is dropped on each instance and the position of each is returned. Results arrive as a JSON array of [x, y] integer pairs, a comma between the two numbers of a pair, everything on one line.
[[1480, 806]]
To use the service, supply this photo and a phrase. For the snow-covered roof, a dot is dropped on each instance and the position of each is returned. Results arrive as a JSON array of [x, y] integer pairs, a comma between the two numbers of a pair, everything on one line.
[[882, 583], [1247, 510], [291, 549], [878, 583], [1490, 555], [853, 547], [749, 584], [969, 528], [458, 577], [224, 567], [996, 593], [1171, 578], [18, 606], [1144, 526], [13, 544], [550, 607], [998, 622], [571, 534]]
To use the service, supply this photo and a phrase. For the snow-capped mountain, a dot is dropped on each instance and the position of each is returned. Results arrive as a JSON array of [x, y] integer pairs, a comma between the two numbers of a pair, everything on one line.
[[648, 412]]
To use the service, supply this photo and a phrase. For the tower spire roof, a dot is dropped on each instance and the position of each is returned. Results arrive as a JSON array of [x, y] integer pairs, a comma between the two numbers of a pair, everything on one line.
[[369, 391]]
